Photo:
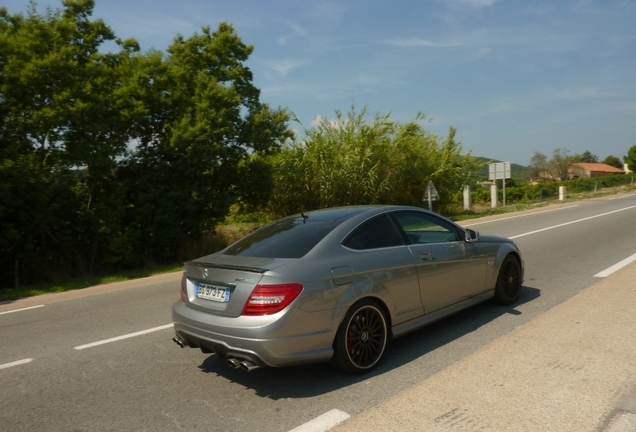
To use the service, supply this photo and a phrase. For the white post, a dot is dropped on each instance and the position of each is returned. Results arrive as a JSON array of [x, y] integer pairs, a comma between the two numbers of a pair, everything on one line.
[[561, 193], [493, 195], [467, 201]]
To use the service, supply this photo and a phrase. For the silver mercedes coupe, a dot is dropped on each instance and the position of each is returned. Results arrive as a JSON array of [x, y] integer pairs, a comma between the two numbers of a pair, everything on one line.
[[337, 285]]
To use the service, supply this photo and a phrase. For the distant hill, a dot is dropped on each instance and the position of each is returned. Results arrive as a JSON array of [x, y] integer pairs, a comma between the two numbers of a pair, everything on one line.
[[516, 170]]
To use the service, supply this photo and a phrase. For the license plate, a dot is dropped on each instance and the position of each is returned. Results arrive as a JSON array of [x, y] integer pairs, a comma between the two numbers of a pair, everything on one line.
[[213, 292]]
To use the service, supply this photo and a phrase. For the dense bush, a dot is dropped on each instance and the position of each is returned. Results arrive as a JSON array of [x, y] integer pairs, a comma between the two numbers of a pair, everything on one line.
[[591, 184], [527, 193], [351, 160]]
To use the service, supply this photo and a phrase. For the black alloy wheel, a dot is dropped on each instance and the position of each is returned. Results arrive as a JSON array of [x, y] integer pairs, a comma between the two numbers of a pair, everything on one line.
[[509, 281], [361, 339]]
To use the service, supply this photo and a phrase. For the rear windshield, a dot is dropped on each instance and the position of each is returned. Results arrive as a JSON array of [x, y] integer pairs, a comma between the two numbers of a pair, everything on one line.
[[286, 238]]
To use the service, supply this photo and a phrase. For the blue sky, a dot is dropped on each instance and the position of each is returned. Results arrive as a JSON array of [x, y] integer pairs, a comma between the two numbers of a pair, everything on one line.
[[513, 76]]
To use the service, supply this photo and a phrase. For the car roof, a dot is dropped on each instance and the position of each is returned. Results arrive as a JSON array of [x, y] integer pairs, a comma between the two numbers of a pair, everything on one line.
[[340, 213]]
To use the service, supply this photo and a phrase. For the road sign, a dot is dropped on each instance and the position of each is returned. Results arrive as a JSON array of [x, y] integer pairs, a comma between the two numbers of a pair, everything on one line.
[[430, 194], [499, 171]]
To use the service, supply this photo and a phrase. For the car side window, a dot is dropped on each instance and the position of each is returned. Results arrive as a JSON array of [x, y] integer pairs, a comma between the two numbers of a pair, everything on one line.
[[423, 228], [379, 232]]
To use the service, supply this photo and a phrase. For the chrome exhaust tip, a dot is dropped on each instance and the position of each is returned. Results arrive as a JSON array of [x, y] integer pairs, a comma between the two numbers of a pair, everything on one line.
[[178, 342], [248, 366], [233, 363]]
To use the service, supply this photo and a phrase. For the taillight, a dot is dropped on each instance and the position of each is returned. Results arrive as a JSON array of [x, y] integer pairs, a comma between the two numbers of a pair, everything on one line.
[[269, 299], [182, 291]]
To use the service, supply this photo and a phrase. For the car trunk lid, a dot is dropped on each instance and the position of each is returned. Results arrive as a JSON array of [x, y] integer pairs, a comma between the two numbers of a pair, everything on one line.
[[221, 285]]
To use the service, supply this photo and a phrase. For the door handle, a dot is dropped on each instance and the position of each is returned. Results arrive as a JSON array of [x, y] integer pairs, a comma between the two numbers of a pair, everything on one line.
[[427, 256]]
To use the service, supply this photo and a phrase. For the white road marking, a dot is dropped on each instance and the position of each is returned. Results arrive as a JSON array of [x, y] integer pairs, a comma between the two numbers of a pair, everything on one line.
[[616, 267], [324, 422], [519, 216], [127, 336], [23, 309], [621, 197], [572, 222], [16, 363]]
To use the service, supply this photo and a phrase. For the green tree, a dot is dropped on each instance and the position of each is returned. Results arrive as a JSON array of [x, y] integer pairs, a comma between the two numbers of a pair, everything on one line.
[[586, 157], [614, 161], [560, 163], [630, 158], [539, 165], [61, 137], [116, 159], [193, 142]]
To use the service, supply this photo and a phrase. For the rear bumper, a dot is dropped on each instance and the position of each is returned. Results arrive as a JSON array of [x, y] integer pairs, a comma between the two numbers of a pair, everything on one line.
[[291, 337], [215, 347]]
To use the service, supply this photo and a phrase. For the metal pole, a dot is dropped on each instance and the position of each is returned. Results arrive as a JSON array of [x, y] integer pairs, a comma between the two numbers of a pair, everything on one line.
[[430, 197]]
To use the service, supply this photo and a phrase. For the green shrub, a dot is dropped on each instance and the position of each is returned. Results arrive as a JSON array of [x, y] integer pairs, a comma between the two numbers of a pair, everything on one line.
[[528, 193], [352, 161]]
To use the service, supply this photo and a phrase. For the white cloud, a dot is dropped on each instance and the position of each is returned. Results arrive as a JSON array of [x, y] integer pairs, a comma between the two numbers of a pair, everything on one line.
[[475, 4], [587, 92], [316, 120], [334, 123], [418, 42], [296, 31], [284, 66]]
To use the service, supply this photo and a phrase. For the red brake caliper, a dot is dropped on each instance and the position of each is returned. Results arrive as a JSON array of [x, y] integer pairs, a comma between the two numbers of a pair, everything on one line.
[[350, 340]]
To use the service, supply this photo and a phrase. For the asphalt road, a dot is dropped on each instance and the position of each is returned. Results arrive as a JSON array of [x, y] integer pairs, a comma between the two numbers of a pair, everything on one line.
[[102, 359]]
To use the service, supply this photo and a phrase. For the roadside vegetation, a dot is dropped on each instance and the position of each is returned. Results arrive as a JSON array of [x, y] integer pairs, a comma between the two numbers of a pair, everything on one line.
[[128, 163], [353, 160], [520, 191]]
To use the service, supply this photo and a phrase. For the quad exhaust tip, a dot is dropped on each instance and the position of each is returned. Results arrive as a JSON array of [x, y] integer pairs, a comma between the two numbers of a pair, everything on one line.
[[248, 366], [233, 363], [244, 365]]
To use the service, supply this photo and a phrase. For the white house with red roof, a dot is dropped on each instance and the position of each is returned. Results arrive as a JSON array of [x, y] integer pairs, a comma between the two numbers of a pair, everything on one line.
[[586, 170]]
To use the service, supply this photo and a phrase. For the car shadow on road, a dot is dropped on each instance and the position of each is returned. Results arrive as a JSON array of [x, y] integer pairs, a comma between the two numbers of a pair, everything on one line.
[[313, 380]]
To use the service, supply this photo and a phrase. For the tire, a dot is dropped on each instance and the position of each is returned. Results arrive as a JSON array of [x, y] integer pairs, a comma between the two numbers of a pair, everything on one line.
[[361, 339], [509, 281]]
